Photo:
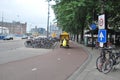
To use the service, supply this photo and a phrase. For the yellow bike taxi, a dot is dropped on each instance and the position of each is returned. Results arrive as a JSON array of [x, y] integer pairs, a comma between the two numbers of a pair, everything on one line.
[[64, 39]]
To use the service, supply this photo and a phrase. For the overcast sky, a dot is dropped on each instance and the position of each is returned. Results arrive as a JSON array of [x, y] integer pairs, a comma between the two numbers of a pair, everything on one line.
[[34, 12]]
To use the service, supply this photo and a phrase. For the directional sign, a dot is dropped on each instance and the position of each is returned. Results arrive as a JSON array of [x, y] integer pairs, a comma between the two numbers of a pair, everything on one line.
[[102, 35]]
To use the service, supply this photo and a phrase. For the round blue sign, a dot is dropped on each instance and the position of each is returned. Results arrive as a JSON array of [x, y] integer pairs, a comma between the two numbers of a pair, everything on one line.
[[93, 26]]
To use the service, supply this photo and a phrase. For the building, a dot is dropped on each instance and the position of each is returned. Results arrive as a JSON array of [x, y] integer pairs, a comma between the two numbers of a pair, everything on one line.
[[14, 27], [38, 31], [55, 30], [4, 30]]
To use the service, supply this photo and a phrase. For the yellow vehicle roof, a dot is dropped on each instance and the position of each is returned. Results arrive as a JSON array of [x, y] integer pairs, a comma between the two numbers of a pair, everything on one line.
[[64, 33]]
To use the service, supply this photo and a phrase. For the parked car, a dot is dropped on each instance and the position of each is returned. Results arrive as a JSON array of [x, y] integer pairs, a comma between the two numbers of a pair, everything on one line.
[[24, 37], [8, 38]]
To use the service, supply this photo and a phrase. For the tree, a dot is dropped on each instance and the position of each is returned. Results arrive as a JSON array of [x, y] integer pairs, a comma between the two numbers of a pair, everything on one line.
[[76, 15]]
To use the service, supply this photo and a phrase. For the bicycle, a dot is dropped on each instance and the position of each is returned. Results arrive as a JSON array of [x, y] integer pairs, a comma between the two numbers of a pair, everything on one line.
[[114, 59], [104, 59]]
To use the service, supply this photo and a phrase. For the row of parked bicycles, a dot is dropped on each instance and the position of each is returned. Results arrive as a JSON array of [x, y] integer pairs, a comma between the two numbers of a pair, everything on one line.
[[40, 42], [109, 58]]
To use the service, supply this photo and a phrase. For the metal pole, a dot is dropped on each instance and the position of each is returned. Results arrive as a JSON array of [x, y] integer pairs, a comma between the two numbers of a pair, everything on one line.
[[104, 12], [48, 18], [2, 23]]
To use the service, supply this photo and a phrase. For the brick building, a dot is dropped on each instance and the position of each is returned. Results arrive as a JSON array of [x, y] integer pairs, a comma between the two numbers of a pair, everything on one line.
[[15, 27]]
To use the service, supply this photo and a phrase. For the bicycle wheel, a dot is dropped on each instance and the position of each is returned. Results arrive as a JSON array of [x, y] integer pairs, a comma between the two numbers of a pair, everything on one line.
[[99, 63], [25, 43], [107, 66]]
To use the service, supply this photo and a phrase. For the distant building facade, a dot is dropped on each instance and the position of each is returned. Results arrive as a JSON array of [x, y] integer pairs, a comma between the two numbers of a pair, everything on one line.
[[14, 27], [4, 30], [55, 30], [38, 31]]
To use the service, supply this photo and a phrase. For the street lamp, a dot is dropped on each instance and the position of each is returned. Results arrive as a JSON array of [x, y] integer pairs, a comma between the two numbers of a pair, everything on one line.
[[48, 18], [2, 24]]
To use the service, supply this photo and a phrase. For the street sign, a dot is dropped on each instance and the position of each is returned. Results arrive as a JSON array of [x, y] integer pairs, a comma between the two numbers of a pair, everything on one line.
[[101, 21], [101, 44], [102, 36], [93, 26]]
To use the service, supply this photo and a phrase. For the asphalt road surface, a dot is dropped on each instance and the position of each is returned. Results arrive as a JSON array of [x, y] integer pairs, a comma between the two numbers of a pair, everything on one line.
[[12, 50], [56, 64], [6, 45]]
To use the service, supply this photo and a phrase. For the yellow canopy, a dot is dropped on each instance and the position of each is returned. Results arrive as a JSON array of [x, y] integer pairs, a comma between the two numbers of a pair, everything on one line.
[[64, 35]]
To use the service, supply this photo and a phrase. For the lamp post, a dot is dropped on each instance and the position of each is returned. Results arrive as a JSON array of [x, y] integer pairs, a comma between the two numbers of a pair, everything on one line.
[[2, 24], [48, 18]]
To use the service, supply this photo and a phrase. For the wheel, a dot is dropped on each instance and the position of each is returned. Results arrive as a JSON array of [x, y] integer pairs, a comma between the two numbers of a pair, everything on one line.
[[107, 66], [99, 63], [60, 45], [25, 43], [68, 46]]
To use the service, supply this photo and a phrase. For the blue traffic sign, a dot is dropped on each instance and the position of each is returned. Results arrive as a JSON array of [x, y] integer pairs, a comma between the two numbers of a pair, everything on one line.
[[102, 36], [93, 26]]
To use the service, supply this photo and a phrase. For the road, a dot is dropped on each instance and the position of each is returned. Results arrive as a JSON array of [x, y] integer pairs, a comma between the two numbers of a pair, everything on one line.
[[43, 64], [13, 50], [6, 45]]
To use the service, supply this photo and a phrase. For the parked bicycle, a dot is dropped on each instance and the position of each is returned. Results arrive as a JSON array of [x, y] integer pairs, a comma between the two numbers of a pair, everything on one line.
[[104, 55], [108, 58], [40, 42], [113, 61]]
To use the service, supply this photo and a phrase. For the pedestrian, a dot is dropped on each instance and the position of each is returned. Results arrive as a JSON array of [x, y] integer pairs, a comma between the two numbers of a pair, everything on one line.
[[64, 42]]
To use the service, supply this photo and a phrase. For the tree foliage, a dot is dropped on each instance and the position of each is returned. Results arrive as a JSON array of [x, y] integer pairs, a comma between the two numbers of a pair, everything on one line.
[[75, 15]]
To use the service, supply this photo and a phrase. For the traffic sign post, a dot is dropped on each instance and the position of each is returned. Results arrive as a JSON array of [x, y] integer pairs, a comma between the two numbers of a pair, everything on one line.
[[101, 44], [93, 27], [102, 33]]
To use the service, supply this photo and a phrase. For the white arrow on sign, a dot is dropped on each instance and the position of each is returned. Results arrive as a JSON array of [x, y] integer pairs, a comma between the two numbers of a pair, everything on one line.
[[101, 36]]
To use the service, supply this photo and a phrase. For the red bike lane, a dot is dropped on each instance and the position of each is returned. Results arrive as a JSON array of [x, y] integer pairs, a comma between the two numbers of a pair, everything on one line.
[[58, 64]]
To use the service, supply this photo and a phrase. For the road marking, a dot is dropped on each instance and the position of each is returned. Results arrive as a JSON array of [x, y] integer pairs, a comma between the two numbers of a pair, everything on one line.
[[34, 69], [58, 59], [69, 53]]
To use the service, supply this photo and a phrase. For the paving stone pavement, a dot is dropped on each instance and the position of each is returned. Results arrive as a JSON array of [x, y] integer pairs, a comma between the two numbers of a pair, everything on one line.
[[88, 70]]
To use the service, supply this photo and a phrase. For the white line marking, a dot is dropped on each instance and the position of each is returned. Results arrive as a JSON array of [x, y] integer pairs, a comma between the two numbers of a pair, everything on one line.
[[34, 69], [58, 58], [69, 53]]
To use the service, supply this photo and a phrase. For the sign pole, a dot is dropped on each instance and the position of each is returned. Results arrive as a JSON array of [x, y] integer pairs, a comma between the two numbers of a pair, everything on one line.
[[103, 20], [106, 28], [93, 27], [92, 40], [102, 30]]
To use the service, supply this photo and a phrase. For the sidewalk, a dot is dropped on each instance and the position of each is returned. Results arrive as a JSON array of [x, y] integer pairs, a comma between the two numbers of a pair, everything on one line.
[[88, 70]]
